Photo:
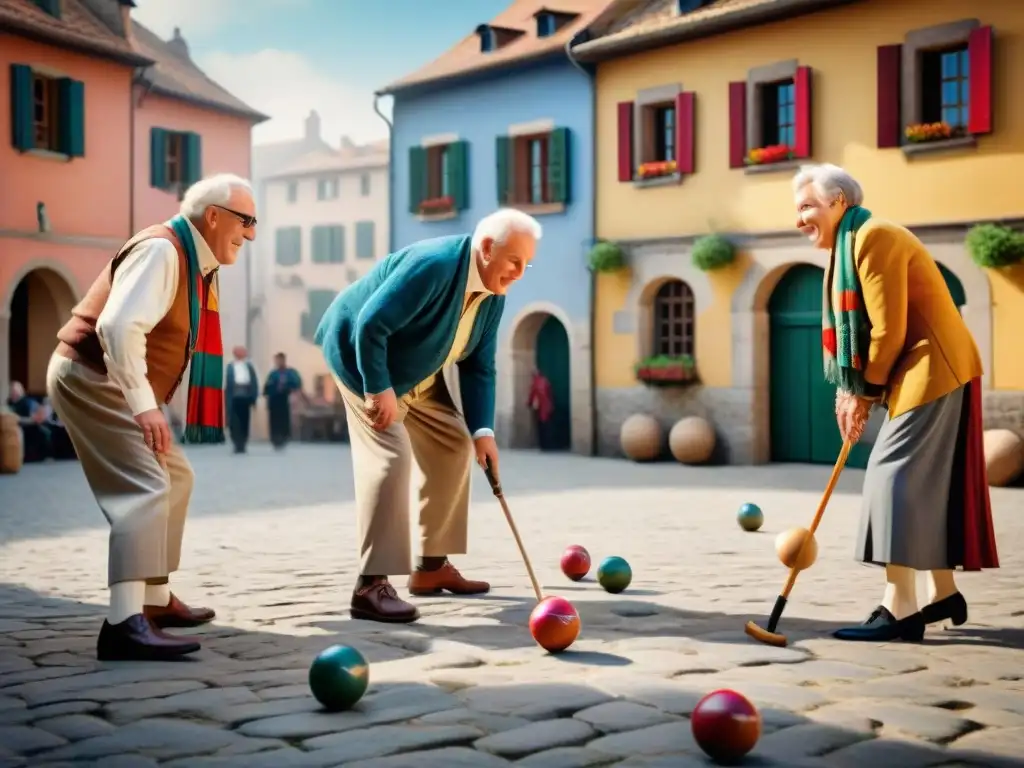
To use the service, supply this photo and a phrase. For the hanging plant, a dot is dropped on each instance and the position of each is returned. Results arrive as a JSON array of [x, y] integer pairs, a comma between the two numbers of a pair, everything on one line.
[[992, 245], [713, 252], [606, 256]]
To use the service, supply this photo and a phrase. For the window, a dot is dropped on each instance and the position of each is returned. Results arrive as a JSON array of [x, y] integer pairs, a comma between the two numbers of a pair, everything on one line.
[[288, 246], [770, 117], [438, 172], [486, 40], [438, 179], [673, 319], [328, 244], [364, 185], [778, 113], [52, 7], [318, 301], [533, 168], [656, 135], [293, 191], [545, 24], [945, 87], [175, 159], [364, 240], [47, 113], [660, 134], [327, 189]]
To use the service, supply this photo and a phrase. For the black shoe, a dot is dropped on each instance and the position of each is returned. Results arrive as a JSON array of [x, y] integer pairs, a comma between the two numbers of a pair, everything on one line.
[[882, 627], [135, 639], [953, 608]]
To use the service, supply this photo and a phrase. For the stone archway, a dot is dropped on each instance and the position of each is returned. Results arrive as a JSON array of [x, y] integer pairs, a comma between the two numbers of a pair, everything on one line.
[[39, 304], [541, 341]]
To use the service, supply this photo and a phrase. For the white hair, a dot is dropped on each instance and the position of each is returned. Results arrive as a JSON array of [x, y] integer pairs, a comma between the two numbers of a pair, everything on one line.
[[502, 223], [831, 182], [213, 190]]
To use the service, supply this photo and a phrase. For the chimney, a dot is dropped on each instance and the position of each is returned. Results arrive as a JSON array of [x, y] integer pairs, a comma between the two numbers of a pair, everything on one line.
[[313, 126], [178, 45], [347, 145]]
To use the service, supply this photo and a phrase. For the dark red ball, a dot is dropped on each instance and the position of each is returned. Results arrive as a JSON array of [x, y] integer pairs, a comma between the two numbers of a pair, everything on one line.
[[554, 624], [575, 562], [725, 725]]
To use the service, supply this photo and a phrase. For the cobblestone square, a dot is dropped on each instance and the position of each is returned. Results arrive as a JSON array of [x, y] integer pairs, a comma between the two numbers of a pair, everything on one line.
[[271, 546]]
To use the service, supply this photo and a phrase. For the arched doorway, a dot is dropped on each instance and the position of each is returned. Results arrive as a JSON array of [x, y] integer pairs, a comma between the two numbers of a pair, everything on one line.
[[801, 403], [541, 342], [40, 305], [956, 288]]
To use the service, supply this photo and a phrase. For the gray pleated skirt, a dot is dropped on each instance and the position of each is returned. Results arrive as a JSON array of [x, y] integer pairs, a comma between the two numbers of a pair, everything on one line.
[[906, 497]]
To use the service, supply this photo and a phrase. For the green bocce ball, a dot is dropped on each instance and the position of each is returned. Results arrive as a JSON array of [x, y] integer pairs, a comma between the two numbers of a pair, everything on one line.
[[338, 677], [750, 517], [614, 574]]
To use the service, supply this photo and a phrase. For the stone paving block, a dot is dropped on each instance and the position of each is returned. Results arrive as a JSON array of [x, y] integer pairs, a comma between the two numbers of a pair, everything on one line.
[[567, 757], [622, 716], [658, 739], [159, 738], [10, 702], [125, 761], [198, 701], [384, 740], [807, 740], [25, 740], [450, 757], [668, 696], [75, 727], [484, 721], [536, 737], [12, 680], [886, 752], [12, 662], [930, 723], [1001, 742], [535, 701], [296, 691], [674, 760], [286, 757]]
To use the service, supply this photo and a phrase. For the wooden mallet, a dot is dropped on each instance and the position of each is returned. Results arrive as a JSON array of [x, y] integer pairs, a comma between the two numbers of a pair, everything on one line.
[[768, 635], [499, 494]]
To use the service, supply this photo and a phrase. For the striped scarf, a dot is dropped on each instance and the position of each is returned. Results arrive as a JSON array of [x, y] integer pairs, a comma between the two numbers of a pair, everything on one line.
[[846, 332], [204, 420]]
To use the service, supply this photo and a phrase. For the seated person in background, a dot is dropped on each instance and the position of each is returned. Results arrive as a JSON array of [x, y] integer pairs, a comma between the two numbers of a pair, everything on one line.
[[35, 432]]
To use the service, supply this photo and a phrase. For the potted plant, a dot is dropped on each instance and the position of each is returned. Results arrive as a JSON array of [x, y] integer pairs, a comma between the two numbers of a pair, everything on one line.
[[606, 256], [436, 205], [712, 252], [776, 153], [992, 246], [922, 133], [665, 370], [654, 170]]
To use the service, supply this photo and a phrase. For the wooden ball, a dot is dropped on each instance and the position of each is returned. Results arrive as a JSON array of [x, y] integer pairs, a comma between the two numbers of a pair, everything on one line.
[[641, 437], [692, 440], [787, 546]]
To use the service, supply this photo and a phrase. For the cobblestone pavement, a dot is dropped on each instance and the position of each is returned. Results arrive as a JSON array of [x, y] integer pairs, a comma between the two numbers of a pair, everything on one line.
[[270, 545]]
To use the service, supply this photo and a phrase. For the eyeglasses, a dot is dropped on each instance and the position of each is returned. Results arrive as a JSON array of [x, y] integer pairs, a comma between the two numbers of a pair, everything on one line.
[[247, 220]]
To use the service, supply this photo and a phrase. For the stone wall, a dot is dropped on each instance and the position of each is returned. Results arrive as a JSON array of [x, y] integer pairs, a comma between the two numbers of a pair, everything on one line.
[[1004, 409]]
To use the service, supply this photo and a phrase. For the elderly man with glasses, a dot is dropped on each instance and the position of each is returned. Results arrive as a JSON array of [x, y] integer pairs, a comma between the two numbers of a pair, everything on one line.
[[150, 316]]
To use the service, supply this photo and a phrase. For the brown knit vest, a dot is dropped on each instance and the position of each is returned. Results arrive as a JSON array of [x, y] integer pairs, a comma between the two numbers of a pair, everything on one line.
[[167, 348]]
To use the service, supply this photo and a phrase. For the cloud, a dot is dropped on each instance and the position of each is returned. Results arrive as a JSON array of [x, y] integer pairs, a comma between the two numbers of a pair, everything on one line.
[[286, 85], [199, 17]]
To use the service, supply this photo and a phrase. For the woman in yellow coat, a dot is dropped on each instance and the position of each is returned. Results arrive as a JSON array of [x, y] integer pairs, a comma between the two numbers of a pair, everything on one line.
[[892, 337]]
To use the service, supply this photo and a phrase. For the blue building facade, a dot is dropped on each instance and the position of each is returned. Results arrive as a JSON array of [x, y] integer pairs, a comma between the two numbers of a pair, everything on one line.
[[517, 136]]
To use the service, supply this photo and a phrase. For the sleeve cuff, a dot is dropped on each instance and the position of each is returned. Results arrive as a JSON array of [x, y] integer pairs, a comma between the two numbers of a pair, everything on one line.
[[483, 432], [140, 400], [873, 390]]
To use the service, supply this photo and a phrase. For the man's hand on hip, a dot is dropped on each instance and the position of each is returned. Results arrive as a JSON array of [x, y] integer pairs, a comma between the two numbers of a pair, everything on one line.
[[155, 430], [382, 409], [486, 451]]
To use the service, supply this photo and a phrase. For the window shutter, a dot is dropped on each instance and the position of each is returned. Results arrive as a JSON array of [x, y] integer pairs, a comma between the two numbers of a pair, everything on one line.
[[502, 147], [803, 112], [193, 144], [458, 176], [890, 67], [158, 158], [338, 244], [22, 127], [685, 130], [558, 165], [737, 124], [417, 177], [979, 53], [71, 114], [317, 244], [625, 140]]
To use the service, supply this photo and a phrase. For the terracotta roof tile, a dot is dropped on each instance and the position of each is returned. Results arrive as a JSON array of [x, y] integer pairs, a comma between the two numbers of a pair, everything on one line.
[[77, 29], [466, 57], [175, 74]]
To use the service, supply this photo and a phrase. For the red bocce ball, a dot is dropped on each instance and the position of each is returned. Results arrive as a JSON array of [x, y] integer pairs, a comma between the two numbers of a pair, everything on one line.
[[554, 624], [575, 562], [726, 725]]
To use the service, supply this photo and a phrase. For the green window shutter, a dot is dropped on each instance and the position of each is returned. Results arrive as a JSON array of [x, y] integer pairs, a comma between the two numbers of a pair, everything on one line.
[[318, 301], [417, 177], [321, 244], [158, 158], [502, 146], [458, 174], [193, 144], [288, 246], [71, 114], [364, 239], [338, 244], [22, 126], [558, 165]]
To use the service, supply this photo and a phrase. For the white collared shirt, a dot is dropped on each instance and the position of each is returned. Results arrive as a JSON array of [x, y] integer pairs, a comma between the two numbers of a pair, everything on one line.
[[141, 295], [240, 368]]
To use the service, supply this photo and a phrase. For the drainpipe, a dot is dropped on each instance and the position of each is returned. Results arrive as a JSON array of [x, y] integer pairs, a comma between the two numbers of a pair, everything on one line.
[[592, 311], [391, 171]]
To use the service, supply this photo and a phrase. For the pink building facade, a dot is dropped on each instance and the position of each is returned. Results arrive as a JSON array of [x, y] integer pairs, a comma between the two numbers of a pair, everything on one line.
[[108, 125]]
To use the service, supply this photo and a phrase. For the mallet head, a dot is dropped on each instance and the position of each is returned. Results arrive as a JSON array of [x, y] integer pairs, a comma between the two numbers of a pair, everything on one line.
[[764, 636]]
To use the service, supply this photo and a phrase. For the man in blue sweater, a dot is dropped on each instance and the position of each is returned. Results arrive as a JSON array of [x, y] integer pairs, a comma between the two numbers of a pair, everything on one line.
[[389, 338]]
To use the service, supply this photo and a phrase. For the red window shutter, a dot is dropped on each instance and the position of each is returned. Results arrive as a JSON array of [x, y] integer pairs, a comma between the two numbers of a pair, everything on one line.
[[737, 124], [685, 128], [802, 95], [890, 66], [979, 52], [625, 141]]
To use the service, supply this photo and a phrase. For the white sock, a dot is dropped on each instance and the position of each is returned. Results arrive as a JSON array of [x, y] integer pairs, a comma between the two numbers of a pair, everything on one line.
[[158, 594], [126, 599]]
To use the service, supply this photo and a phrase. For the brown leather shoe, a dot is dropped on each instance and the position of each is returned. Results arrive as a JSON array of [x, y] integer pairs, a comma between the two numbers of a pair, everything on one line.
[[177, 614], [447, 577], [379, 602], [135, 639]]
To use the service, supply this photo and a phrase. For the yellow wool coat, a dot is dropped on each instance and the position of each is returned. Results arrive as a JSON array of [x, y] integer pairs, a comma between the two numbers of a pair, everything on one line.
[[920, 347]]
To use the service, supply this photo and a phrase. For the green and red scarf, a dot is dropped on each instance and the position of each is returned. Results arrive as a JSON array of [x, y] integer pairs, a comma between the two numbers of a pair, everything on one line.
[[846, 329], [204, 420]]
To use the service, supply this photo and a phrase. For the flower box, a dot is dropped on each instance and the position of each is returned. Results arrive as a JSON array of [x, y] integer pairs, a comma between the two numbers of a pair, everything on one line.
[[657, 169], [437, 205], [666, 371], [776, 153], [922, 133]]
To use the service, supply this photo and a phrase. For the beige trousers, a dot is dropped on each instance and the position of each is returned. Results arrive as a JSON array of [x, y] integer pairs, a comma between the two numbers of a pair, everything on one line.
[[430, 431], [144, 502]]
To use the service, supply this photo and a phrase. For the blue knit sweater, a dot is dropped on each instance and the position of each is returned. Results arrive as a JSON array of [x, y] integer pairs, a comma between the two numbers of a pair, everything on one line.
[[395, 326]]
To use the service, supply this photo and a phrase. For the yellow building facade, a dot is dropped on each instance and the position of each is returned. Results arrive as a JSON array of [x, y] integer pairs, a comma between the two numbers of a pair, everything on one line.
[[861, 73]]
